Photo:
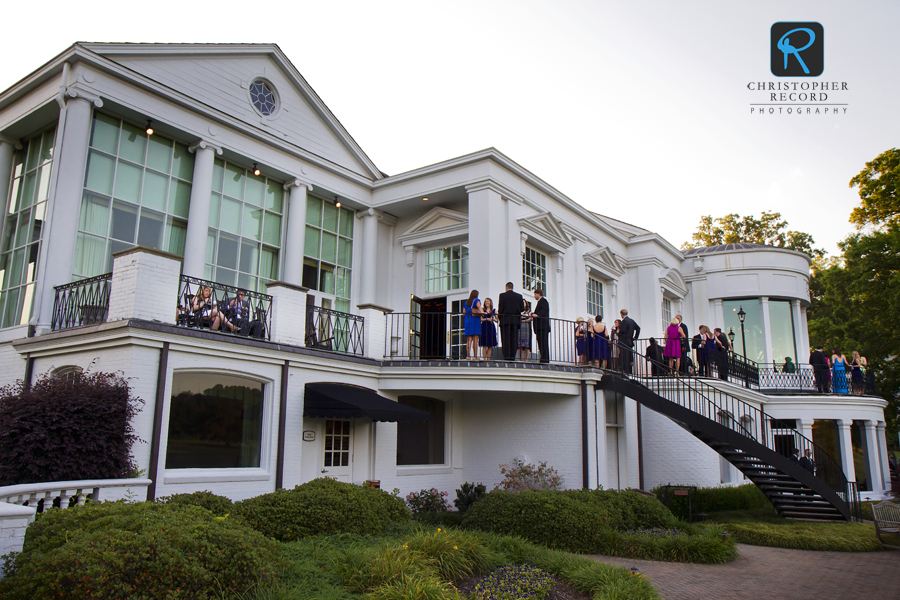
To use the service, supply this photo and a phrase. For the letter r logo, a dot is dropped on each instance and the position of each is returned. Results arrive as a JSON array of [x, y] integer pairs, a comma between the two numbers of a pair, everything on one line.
[[797, 49]]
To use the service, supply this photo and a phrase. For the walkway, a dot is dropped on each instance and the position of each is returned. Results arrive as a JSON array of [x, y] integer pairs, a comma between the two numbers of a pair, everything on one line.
[[763, 573]]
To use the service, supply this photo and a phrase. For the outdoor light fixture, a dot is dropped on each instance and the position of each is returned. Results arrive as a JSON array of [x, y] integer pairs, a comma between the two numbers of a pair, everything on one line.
[[731, 335], [337, 202], [255, 170], [425, 199], [741, 315], [149, 127]]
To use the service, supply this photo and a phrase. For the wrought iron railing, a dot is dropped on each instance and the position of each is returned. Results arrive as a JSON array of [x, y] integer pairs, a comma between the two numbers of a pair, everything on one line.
[[335, 331], [812, 379], [721, 364], [223, 308], [82, 302]]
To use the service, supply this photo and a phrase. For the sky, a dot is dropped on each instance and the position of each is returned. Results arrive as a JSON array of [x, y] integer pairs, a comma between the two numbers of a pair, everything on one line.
[[638, 110]]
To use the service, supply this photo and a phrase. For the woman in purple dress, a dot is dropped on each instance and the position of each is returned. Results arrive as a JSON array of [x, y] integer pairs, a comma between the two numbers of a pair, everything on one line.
[[674, 334], [488, 338], [579, 341], [601, 342]]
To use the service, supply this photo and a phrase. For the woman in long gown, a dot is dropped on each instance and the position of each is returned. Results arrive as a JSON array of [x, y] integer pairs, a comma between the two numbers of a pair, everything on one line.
[[579, 341], [488, 338], [707, 350], [472, 325], [839, 372], [856, 374], [524, 351], [600, 343], [673, 345]]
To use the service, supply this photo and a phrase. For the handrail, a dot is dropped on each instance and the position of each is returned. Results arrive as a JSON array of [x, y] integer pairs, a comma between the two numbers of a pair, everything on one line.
[[813, 379], [82, 302], [258, 308], [64, 494], [335, 331]]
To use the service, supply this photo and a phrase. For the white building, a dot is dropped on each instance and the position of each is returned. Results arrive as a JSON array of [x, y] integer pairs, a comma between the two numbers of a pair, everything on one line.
[[90, 193]]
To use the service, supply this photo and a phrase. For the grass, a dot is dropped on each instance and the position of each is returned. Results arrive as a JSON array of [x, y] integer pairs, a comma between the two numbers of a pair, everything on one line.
[[703, 544], [763, 527]]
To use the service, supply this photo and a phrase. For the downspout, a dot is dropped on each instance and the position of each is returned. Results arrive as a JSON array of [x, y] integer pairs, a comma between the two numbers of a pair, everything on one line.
[[585, 470], [597, 435], [153, 467], [282, 408], [29, 370], [640, 442]]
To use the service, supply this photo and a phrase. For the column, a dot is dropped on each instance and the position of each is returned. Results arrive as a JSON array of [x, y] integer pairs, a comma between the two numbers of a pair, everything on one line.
[[885, 467], [805, 346], [487, 244], [556, 301], [847, 449], [62, 214], [766, 329], [369, 255], [198, 213], [801, 350], [872, 451], [719, 315], [806, 426], [8, 148], [295, 239]]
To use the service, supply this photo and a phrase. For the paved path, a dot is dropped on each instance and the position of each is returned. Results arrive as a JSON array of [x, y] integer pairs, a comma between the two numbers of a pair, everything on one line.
[[763, 573]]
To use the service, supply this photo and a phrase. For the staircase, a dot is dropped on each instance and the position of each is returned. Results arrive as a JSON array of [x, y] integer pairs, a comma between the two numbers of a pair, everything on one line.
[[740, 432]]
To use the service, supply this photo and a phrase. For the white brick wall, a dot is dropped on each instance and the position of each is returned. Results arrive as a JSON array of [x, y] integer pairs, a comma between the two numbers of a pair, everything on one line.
[[375, 324], [144, 286], [12, 364], [288, 314], [14, 520], [672, 455]]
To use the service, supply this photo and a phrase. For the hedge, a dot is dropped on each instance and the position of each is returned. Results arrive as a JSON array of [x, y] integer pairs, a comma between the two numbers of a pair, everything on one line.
[[715, 499]]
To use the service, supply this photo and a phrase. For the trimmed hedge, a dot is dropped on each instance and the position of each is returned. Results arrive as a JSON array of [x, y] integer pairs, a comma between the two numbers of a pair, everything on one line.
[[131, 551], [706, 546], [629, 510], [715, 499], [217, 505], [321, 507]]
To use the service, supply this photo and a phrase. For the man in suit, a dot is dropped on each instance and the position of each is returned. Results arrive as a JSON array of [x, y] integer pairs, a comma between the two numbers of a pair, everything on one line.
[[722, 353], [541, 324], [510, 307], [819, 363], [807, 462], [795, 457], [629, 331], [240, 319], [684, 347]]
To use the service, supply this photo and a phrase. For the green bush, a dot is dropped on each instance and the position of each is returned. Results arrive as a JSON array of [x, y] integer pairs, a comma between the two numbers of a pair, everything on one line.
[[321, 506], [628, 509], [217, 505], [468, 494], [715, 499], [132, 551], [707, 546]]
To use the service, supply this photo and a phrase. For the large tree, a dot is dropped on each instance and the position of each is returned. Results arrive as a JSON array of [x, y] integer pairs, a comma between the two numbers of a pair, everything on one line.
[[769, 229], [879, 190]]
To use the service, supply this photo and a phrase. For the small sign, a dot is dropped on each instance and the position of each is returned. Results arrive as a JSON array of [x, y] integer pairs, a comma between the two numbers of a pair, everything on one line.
[[309, 436], [681, 492]]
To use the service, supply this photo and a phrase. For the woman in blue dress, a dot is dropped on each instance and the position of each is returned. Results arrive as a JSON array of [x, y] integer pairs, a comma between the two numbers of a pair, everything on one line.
[[601, 343], [472, 325], [488, 337], [839, 372]]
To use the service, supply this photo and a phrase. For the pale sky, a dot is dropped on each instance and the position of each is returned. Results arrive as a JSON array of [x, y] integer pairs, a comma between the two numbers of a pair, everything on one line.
[[638, 110]]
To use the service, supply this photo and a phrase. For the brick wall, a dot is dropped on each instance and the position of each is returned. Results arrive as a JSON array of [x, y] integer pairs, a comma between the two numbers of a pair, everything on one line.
[[14, 520], [672, 455]]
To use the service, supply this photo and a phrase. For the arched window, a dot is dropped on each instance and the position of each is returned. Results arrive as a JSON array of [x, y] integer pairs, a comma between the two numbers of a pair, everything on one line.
[[68, 372]]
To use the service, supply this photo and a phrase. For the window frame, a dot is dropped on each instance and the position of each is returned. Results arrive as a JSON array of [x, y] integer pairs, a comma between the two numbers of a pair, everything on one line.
[[437, 468], [341, 303], [447, 273], [541, 277], [599, 293]]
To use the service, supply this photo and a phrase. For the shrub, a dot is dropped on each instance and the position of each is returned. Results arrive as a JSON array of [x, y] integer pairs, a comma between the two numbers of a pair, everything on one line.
[[523, 476], [715, 499], [64, 429], [321, 506], [628, 509], [707, 546], [467, 495], [766, 528], [217, 505], [427, 501], [145, 550]]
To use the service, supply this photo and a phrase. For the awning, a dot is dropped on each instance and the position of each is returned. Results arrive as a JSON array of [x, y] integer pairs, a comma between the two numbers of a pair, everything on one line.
[[341, 401]]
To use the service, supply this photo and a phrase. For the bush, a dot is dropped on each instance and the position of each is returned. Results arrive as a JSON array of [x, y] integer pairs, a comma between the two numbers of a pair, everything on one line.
[[628, 509], [707, 546], [523, 476], [321, 506], [715, 499], [64, 429], [427, 501], [146, 550], [467, 495], [217, 505]]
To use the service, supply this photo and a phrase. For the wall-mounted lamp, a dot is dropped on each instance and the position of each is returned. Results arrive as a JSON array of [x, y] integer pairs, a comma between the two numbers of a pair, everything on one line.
[[425, 199], [255, 170], [337, 202], [149, 127]]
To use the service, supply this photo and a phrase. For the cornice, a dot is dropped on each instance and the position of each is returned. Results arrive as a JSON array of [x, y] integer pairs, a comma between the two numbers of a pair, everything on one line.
[[489, 184], [75, 92], [642, 261]]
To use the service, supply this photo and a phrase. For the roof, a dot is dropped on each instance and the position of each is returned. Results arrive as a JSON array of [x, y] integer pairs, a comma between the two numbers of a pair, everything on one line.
[[727, 248]]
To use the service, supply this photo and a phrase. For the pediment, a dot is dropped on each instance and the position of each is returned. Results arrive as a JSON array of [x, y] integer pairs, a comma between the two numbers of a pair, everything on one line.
[[605, 261], [672, 281], [547, 228], [219, 77], [436, 225]]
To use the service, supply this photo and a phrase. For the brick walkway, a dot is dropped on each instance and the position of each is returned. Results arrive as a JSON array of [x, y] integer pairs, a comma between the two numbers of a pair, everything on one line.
[[763, 573]]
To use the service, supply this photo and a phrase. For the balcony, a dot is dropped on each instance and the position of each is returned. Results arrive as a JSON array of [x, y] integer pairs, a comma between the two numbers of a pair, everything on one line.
[[83, 302], [223, 308]]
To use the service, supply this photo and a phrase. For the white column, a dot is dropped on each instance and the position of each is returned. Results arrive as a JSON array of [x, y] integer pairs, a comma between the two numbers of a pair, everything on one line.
[[144, 285], [719, 315], [847, 449], [556, 302], [487, 246], [198, 213], [805, 346], [61, 226], [885, 466], [877, 483], [288, 313], [8, 147], [766, 329], [806, 426], [802, 352], [369, 255], [295, 239]]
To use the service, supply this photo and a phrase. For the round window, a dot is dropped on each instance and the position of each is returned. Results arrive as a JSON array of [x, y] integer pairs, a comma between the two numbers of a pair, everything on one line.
[[262, 95]]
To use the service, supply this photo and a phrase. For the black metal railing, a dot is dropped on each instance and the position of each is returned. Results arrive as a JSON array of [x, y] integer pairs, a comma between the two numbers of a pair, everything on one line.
[[83, 302], [714, 363], [811, 379], [218, 307], [335, 331]]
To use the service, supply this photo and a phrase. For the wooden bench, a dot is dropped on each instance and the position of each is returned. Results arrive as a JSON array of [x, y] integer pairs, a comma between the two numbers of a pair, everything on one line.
[[887, 519]]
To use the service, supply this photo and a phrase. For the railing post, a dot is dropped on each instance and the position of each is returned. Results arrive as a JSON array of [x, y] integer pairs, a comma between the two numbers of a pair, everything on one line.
[[375, 333], [144, 285], [288, 313]]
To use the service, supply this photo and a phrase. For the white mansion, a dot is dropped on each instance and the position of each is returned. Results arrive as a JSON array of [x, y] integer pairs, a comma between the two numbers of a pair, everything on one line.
[[136, 175]]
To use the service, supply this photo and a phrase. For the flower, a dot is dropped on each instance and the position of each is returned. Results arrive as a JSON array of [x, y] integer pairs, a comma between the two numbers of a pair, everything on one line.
[[455, 548]]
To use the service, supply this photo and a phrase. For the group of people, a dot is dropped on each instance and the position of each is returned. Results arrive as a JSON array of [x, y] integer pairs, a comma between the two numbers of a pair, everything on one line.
[[516, 321], [606, 347], [232, 315], [831, 374], [806, 461], [711, 346]]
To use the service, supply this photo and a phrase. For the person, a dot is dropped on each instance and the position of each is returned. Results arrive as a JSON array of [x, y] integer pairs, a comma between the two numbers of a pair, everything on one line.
[[724, 348], [807, 461], [600, 343], [684, 346], [240, 320], [839, 372], [789, 366], [524, 343], [707, 350], [541, 324], [472, 324], [795, 456], [820, 365], [615, 351], [205, 309], [654, 354], [856, 374], [488, 338], [672, 351], [510, 306], [629, 331], [580, 335]]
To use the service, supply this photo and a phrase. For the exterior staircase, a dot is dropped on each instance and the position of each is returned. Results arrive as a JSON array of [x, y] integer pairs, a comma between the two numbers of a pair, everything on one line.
[[741, 433]]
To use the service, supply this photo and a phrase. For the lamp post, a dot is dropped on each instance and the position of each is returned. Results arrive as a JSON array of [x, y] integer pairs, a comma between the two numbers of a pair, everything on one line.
[[731, 336], [741, 315]]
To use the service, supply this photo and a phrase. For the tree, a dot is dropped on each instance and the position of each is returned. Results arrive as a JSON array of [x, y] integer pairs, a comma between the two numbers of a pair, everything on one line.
[[879, 190], [768, 229]]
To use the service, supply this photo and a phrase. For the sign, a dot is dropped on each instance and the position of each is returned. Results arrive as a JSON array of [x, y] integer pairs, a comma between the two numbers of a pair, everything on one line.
[[309, 436]]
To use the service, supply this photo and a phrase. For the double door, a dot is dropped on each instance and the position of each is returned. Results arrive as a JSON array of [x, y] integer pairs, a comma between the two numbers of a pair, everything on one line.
[[435, 333]]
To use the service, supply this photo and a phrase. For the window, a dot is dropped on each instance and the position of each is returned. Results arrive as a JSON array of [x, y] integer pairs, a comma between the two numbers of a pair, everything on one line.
[[534, 270], [421, 443], [245, 221], [447, 269], [666, 313], [337, 443], [753, 333], [328, 250], [23, 224], [262, 97], [594, 297], [215, 422], [137, 190], [69, 373], [781, 321]]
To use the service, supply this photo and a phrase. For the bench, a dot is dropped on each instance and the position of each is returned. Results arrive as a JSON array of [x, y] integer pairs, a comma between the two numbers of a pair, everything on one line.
[[887, 519]]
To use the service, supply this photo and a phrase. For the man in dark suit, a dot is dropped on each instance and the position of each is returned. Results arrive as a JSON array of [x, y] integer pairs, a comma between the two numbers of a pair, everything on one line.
[[807, 462], [541, 324], [510, 307], [819, 363], [240, 319], [722, 354], [684, 347], [629, 331]]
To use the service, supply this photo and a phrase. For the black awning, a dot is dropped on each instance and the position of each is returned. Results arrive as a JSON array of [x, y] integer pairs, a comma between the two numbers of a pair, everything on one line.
[[341, 401]]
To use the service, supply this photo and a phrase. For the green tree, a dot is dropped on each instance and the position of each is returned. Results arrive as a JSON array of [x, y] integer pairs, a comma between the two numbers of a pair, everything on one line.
[[769, 229], [879, 190]]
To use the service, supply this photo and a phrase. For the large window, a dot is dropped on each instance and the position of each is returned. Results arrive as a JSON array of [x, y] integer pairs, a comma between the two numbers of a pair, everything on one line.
[[782, 327], [421, 443], [534, 270], [245, 221], [23, 223], [753, 332], [447, 269], [666, 314], [137, 191], [594, 297], [215, 422], [328, 251]]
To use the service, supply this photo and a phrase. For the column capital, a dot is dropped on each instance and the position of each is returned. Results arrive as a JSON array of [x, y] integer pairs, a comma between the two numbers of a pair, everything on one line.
[[15, 143], [844, 424], [76, 94], [297, 182], [880, 425], [204, 145]]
